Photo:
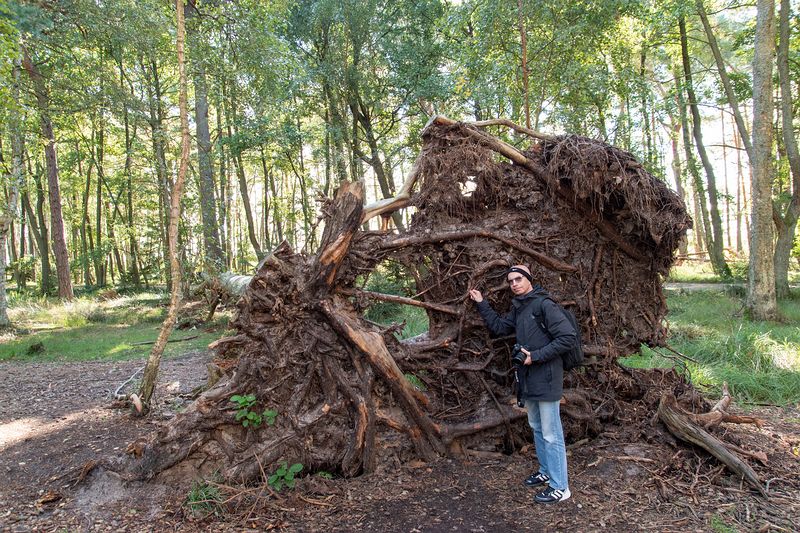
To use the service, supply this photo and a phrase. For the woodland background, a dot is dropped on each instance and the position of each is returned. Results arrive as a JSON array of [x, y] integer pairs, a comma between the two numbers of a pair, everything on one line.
[[290, 98]]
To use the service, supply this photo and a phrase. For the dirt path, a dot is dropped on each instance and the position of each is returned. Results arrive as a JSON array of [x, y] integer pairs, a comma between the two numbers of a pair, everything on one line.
[[54, 420]]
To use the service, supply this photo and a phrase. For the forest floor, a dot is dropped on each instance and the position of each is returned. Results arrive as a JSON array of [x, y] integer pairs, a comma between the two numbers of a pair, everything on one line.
[[56, 418]]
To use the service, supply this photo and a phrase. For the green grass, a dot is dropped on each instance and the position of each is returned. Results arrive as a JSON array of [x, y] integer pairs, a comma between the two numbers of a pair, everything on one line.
[[386, 314], [701, 272], [204, 499], [759, 360], [389, 279], [719, 525], [87, 329], [693, 272]]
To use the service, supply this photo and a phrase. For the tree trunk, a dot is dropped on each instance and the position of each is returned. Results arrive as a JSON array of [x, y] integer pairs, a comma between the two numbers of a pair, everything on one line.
[[87, 276], [222, 206], [703, 226], [674, 135], [524, 53], [9, 213], [335, 128], [154, 360], [275, 209], [54, 192], [248, 210], [116, 256], [40, 228], [740, 186], [231, 117], [713, 238], [761, 298], [159, 149], [786, 221], [361, 115], [725, 192], [214, 256], [310, 239], [133, 263], [647, 133], [266, 203]]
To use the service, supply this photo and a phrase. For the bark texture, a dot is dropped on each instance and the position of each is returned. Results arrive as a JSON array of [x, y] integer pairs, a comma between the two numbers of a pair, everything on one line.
[[761, 297]]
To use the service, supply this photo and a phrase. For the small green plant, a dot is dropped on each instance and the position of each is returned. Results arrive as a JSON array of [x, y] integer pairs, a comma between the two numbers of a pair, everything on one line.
[[270, 415], [325, 475], [416, 382], [719, 525], [248, 417], [204, 499], [284, 475]]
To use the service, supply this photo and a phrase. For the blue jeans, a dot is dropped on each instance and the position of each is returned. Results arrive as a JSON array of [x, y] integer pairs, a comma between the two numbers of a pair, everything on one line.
[[545, 421]]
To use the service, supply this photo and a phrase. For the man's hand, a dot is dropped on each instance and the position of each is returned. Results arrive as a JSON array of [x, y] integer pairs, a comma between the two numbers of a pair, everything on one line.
[[528, 359], [476, 295]]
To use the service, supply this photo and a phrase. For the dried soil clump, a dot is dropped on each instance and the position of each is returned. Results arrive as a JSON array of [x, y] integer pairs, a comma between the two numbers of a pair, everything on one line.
[[598, 231]]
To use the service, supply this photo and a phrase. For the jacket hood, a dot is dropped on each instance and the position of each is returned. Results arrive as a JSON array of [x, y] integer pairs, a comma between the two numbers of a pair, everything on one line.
[[536, 292]]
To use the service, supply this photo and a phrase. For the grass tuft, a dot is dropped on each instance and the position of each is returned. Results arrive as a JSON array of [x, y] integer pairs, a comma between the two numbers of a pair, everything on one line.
[[204, 499]]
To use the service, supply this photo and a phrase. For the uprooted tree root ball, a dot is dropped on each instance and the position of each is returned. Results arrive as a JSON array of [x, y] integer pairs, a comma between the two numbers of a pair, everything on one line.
[[599, 233]]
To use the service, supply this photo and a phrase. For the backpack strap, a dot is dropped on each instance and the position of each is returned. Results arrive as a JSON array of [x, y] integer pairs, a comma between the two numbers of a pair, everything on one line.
[[536, 309]]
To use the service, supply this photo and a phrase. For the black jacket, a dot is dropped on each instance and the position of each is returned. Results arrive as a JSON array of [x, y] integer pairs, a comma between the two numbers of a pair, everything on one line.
[[544, 379]]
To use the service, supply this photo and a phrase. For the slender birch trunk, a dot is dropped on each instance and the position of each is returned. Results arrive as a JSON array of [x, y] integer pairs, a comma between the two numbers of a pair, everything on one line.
[[713, 237], [786, 221], [154, 361]]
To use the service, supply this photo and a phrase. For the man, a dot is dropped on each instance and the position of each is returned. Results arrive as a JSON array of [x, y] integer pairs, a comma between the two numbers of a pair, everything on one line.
[[541, 377]]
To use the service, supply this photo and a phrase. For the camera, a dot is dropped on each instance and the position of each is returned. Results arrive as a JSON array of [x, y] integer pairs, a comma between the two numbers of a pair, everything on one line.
[[517, 357]]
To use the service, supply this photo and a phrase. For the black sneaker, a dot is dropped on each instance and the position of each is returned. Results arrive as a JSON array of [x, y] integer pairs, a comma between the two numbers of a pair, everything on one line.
[[551, 495], [534, 480]]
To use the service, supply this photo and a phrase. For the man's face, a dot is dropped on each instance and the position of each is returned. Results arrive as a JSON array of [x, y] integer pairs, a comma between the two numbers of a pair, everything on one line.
[[519, 284]]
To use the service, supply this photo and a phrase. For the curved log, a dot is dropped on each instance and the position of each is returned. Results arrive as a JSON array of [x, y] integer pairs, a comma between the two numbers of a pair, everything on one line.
[[679, 425]]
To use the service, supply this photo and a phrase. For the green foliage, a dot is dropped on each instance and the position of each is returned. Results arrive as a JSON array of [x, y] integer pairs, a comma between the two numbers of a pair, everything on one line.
[[416, 382], [760, 361], [284, 475], [391, 278], [270, 415], [324, 474], [248, 417], [22, 269], [204, 499]]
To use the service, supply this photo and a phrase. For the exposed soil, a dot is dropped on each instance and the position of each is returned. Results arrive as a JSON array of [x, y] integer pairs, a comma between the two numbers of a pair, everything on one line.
[[55, 419]]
